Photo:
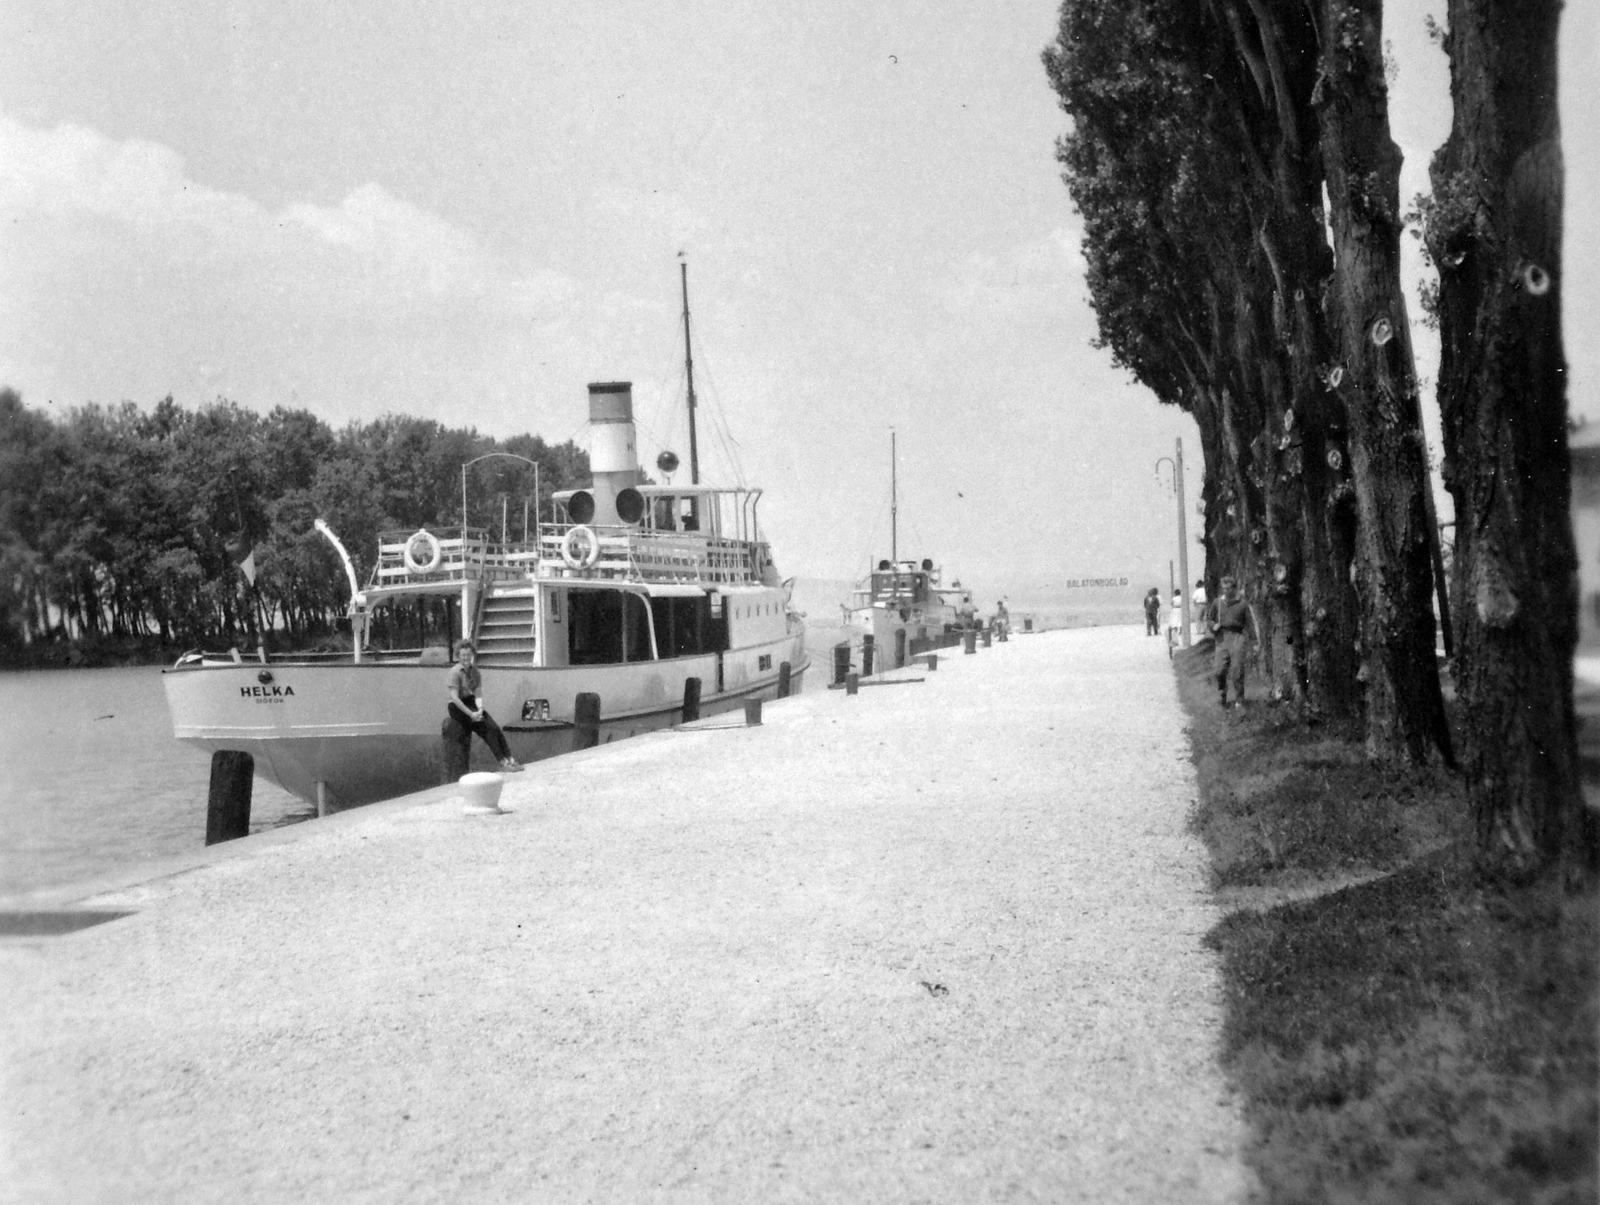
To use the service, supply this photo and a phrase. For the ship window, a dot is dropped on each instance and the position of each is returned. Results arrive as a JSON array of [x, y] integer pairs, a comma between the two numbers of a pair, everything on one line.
[[607, 627]]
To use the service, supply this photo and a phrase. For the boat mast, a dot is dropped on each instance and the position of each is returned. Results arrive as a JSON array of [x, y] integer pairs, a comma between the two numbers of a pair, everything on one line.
[[688, 363], [894, 504]]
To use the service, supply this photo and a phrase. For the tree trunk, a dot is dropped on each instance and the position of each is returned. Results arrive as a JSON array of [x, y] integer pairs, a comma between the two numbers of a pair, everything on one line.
[[1495, 232], [1394, 567]]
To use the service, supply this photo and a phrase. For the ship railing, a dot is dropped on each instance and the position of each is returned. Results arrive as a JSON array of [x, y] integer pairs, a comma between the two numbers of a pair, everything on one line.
[[629, 553], [465, 554]]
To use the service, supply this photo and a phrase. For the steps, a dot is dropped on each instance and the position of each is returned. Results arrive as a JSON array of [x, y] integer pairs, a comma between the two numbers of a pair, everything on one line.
[[506, 627]]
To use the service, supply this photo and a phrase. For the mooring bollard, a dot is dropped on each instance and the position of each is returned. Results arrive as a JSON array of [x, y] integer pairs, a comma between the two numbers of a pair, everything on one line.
[[969, 641], [691, 700], [933, 660], [752, 713], [228, 804], [987, 637], [785, 672], [866, 656], [457, 741], [852, 683], [586, 720], [899, 648], [1027, 625], [841, 662]]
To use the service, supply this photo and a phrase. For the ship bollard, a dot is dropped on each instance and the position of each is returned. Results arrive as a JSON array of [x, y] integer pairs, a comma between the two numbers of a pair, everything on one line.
[[899, 648], [480, 794], [586, 720], [752, 713], [866, 656], [969, 641], [691, 700], [852, 683], [228, 804], [1027, 625], [785, 672], [988, 638], [933, 660], [841, 662]]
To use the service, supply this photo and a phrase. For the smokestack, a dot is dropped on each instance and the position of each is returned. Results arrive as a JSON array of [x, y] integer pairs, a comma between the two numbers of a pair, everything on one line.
[[613, 454]]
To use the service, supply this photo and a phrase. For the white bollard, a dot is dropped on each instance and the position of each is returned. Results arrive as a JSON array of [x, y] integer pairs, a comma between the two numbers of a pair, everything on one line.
[[480, 794]]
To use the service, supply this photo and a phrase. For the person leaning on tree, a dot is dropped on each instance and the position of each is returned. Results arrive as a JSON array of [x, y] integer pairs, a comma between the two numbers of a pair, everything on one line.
[[1230, 615]]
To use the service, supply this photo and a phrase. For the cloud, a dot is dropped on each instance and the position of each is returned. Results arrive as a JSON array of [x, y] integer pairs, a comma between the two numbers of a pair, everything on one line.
[[370, 242], [1018, 282]]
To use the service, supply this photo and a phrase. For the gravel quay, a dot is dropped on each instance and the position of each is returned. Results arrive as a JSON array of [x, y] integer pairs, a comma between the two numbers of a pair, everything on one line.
[[936, 941]]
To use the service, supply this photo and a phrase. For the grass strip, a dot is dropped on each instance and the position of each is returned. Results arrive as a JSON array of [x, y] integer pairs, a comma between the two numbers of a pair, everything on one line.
[[1400, 1029]]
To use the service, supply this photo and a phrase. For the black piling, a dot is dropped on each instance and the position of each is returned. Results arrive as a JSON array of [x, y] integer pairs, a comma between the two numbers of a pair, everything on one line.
[[785, 672], [841, 662], [852, 683], [933, 660], [988, 638], [969, 641], [691, 700], [228, 805], [586, 720], [752, 713], [866, 656]]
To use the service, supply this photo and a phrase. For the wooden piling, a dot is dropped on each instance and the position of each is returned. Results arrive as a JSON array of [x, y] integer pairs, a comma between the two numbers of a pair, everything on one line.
[[228, 805], [852, 683], [785, 671], [752, 713], [691, 700], [586, 720]]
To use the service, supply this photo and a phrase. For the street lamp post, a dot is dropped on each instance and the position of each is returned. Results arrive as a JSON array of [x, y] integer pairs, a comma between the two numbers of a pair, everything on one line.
[[1183, 535]]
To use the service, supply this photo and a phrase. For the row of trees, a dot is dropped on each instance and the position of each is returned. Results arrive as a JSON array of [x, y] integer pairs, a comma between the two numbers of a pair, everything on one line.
[[1233, 164], [133, 524]]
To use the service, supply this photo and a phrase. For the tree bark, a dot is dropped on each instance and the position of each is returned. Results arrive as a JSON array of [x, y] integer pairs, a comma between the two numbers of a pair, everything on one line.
[[1405, 718], [1494, 230]]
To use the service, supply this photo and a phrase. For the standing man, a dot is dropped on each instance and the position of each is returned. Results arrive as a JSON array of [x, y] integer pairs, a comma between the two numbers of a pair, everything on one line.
[[1152, 612], [1230, 615]]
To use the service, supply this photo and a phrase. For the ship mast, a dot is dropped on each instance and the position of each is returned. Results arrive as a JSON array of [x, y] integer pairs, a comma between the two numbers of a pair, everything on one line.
[[894, 504], [688, 363]]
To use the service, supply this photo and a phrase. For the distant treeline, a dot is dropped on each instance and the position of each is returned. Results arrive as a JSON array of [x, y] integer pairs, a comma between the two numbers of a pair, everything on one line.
[[122, 526]]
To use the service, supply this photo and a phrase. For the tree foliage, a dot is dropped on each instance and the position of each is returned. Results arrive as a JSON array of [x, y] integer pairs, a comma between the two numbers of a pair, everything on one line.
[[130, 524]]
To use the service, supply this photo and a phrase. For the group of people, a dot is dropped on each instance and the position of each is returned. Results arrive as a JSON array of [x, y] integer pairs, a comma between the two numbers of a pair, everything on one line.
[[1227, 620]]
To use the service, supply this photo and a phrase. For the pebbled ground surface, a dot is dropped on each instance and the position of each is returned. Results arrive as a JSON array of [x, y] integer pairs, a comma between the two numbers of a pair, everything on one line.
[[939, 941]]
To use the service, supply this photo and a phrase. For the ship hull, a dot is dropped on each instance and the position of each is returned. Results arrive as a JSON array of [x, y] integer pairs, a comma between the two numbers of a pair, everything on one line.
[[372, 731]]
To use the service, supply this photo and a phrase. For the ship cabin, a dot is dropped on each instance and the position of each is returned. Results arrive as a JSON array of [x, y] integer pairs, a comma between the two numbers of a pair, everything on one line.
[[624, 573], [899, 584], [688, 575]]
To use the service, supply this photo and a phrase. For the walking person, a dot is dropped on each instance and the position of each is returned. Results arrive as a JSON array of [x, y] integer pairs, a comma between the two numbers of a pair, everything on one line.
[[1230, 615], [465, 715], [1152, 610]]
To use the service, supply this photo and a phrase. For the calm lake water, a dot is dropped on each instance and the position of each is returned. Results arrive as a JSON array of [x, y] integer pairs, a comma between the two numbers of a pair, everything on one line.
[[91, 780]]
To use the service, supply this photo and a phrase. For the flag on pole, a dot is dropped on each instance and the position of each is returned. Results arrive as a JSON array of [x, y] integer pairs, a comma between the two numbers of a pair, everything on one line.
[[248, 567]]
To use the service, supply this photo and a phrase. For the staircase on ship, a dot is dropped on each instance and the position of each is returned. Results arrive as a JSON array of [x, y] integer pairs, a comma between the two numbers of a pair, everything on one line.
[[505, 628]]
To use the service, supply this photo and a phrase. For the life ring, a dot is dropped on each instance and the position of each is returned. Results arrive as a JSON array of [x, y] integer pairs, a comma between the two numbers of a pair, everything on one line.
[[591, 548], [435, 553]]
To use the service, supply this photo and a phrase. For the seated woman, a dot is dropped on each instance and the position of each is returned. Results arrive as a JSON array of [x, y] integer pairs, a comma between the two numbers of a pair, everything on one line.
[[464, 716]]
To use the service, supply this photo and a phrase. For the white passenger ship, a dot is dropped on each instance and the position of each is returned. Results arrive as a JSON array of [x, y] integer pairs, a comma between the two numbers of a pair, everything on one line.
[[901, 607], [631, 592]]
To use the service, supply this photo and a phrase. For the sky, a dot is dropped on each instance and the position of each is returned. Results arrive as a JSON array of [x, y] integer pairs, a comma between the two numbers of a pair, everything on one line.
[[468, 211]]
